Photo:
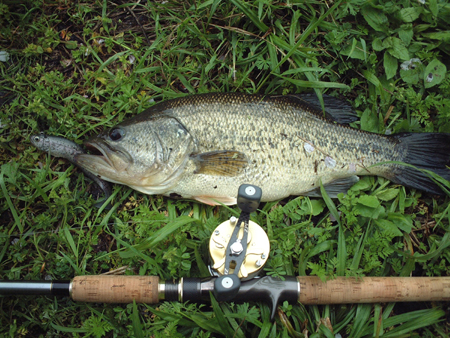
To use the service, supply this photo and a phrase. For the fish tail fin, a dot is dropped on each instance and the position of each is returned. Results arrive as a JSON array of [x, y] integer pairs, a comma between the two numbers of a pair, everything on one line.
[[429, 151]]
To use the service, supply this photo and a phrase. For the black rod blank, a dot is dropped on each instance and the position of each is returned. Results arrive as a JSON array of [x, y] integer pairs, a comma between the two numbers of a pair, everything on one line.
[[41, 288]]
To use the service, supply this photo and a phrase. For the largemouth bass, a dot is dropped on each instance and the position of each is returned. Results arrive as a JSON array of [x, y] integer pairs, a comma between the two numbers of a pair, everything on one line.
[[62, 147], [205, 146]]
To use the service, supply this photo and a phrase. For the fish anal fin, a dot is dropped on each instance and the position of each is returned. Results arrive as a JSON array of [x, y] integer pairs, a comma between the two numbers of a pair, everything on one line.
[[333, 188], [220, 163], [216, 200]]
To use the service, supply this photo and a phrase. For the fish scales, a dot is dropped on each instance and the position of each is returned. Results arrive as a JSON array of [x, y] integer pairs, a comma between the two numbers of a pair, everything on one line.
[[280, 166], [204, 146]]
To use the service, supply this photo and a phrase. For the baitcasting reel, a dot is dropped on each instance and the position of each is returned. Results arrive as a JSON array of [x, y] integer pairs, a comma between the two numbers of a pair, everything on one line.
[[239, 248]]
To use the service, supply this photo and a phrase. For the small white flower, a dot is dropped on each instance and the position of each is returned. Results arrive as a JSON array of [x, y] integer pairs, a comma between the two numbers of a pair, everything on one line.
[[411, 64], [131, 59], [4, 56], [330, 162], [100, 41], [87, 52], [414, 63], [15, 241], [308, 147], [405, 65]]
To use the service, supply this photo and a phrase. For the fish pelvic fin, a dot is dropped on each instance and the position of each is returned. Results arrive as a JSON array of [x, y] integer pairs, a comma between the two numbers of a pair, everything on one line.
[[429, 151], [335, 187], [216, 200], [220, 163]]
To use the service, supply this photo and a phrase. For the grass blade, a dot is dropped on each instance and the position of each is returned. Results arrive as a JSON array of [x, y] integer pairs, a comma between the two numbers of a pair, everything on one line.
[[70, 240], [137, 326], [225, 327], [330, 204], [250, 14], [341, 253], [311, 27], [341, 248], [17, 221], [361, 320]]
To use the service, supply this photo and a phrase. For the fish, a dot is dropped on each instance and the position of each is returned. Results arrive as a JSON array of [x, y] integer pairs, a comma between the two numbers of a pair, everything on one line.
[[204, 146], [61, 147]]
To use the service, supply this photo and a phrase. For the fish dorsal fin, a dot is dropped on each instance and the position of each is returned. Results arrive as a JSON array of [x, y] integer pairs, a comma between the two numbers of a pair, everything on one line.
[[220, 163], [335, 109], [333, 188]]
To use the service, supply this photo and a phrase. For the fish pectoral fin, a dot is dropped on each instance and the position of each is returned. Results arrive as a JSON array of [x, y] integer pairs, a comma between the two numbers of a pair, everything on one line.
[[336, 110], [216, 200], [220, 163], [333, 188]]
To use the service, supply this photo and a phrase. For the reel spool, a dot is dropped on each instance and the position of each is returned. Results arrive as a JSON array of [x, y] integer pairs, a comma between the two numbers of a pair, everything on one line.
[[258, 248], [245, 245]]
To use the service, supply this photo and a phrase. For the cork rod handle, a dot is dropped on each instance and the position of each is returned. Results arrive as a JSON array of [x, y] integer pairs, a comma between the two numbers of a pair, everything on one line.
[[344, 290], [115, 289]]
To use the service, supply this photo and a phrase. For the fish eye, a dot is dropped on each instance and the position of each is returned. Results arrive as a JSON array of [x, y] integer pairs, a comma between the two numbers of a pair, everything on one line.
[[116, 134], [37, 138]]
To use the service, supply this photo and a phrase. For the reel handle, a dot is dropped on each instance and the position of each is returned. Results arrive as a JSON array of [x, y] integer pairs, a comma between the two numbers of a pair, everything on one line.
[[249, 197], [226, 287], [248, 200]]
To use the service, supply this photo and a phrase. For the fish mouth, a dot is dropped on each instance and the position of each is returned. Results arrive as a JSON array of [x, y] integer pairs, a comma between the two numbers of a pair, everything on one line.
[[103, 159], [100, 151]]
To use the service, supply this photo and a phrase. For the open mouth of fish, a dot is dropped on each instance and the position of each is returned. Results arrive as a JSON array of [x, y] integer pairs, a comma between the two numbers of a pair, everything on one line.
[[102, 159], [99, 153]]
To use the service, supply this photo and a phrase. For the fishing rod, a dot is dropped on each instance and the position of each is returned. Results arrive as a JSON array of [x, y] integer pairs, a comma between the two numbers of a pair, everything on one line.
[[238, 250]]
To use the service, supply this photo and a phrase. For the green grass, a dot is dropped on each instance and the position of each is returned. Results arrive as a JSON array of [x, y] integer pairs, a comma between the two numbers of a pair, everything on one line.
[[76, 68]]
